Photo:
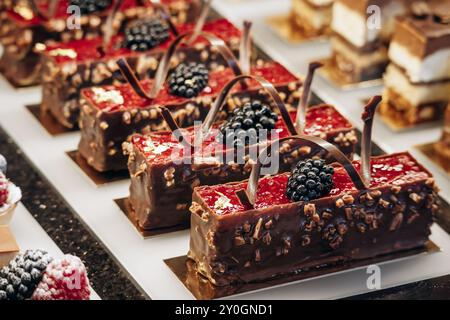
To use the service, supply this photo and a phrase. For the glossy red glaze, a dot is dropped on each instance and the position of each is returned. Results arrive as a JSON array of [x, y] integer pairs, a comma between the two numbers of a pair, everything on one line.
[[324, 118], [86, 49], [273, 72], [396, 169], [61, 12]]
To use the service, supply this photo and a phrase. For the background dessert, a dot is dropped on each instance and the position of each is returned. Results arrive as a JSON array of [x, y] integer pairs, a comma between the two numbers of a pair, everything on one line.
[[312, 17], [360, 46], [417, 81], [443, 147]]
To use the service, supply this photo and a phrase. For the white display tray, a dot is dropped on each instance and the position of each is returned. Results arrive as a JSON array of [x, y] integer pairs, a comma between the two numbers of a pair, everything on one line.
[[143, 259], [30, 235]]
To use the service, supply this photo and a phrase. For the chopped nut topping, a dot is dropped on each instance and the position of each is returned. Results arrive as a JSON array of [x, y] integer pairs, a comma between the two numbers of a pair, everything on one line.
[[239, 241], [222, 203], [63, 53], [257, 232]]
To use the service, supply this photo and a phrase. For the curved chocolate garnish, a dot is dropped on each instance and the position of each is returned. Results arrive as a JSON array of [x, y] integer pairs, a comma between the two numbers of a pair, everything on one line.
[[52, 6], [245, 49], [201, 19], [166, 16], [366, 144], [249, 196], [109, 31], [173, 127], [222, 98], [303, 104], [164, 65]]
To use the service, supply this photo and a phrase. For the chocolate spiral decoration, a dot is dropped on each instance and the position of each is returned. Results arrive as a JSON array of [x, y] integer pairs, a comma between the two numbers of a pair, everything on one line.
[[201, 20], [248, 197], [223, 96], [109, 31], [164, 65], [165, 15]]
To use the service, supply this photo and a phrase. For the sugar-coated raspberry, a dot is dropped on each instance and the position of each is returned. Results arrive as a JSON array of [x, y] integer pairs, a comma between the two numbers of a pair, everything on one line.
[[3, 189], [64, 279]]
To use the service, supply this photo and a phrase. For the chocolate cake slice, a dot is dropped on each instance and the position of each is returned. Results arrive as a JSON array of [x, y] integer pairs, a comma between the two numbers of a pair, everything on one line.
[[110, 114], [28, 25], [417, 82], [69, 67], [164, 172], [317, 215]]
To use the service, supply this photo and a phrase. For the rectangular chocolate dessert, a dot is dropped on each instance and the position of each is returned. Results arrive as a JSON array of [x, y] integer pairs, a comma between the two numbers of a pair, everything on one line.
[[109, 114], [417, 83], [359, 50], [312, 17], [25, 26], [162, 179], [233, 243], [69, 67]]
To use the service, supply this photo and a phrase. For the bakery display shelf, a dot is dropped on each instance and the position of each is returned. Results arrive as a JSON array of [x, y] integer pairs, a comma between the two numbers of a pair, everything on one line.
[[143, 260]]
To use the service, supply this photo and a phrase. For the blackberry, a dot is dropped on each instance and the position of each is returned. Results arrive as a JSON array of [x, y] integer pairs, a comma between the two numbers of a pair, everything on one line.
[[20, 278], [246, 122], [145, 34], [309, 180], [188, 80], [91, 6]]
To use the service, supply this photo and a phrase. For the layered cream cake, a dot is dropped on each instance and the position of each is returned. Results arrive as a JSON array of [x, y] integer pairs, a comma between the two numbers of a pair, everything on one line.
[[361, 32], [443, 146], [312, 17], [417, 82]]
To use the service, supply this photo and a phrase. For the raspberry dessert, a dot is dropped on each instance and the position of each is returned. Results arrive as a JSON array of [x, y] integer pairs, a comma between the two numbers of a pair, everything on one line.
[[64, 279], [36, 275], [27, 26], [10, 195], [259, 229]]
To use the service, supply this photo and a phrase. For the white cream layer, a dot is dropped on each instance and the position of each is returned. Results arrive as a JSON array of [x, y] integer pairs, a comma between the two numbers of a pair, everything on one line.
[[415, 94], [317, 18], [355, 27], [433, 67]]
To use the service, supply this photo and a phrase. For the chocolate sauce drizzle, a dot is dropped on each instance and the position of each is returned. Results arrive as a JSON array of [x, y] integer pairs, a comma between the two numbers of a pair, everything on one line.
[[366, 144], [303, 104], [248, 197]]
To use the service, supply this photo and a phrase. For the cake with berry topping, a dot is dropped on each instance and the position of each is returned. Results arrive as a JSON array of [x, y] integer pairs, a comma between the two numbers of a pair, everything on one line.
[[110, 114], [10, 195], [316, 216], [417, 81], [162, 179], [312, 17], [361, 32], [27, 26], [35, 275], [69, 67]]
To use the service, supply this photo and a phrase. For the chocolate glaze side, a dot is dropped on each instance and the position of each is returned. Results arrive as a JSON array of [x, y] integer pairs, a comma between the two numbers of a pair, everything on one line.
[[275, 240]]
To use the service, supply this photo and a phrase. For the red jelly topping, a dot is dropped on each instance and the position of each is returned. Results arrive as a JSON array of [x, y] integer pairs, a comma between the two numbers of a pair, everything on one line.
[[86, 49], [273, 72], [324, 118], [396, 169], [61, 11]]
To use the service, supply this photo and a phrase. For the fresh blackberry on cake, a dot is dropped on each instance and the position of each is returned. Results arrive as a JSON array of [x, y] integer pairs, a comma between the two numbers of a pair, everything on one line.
[[91, 6], [64, 279], [309, 180], [188, 80], [20, 278], [246, 122], [145, 34]]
